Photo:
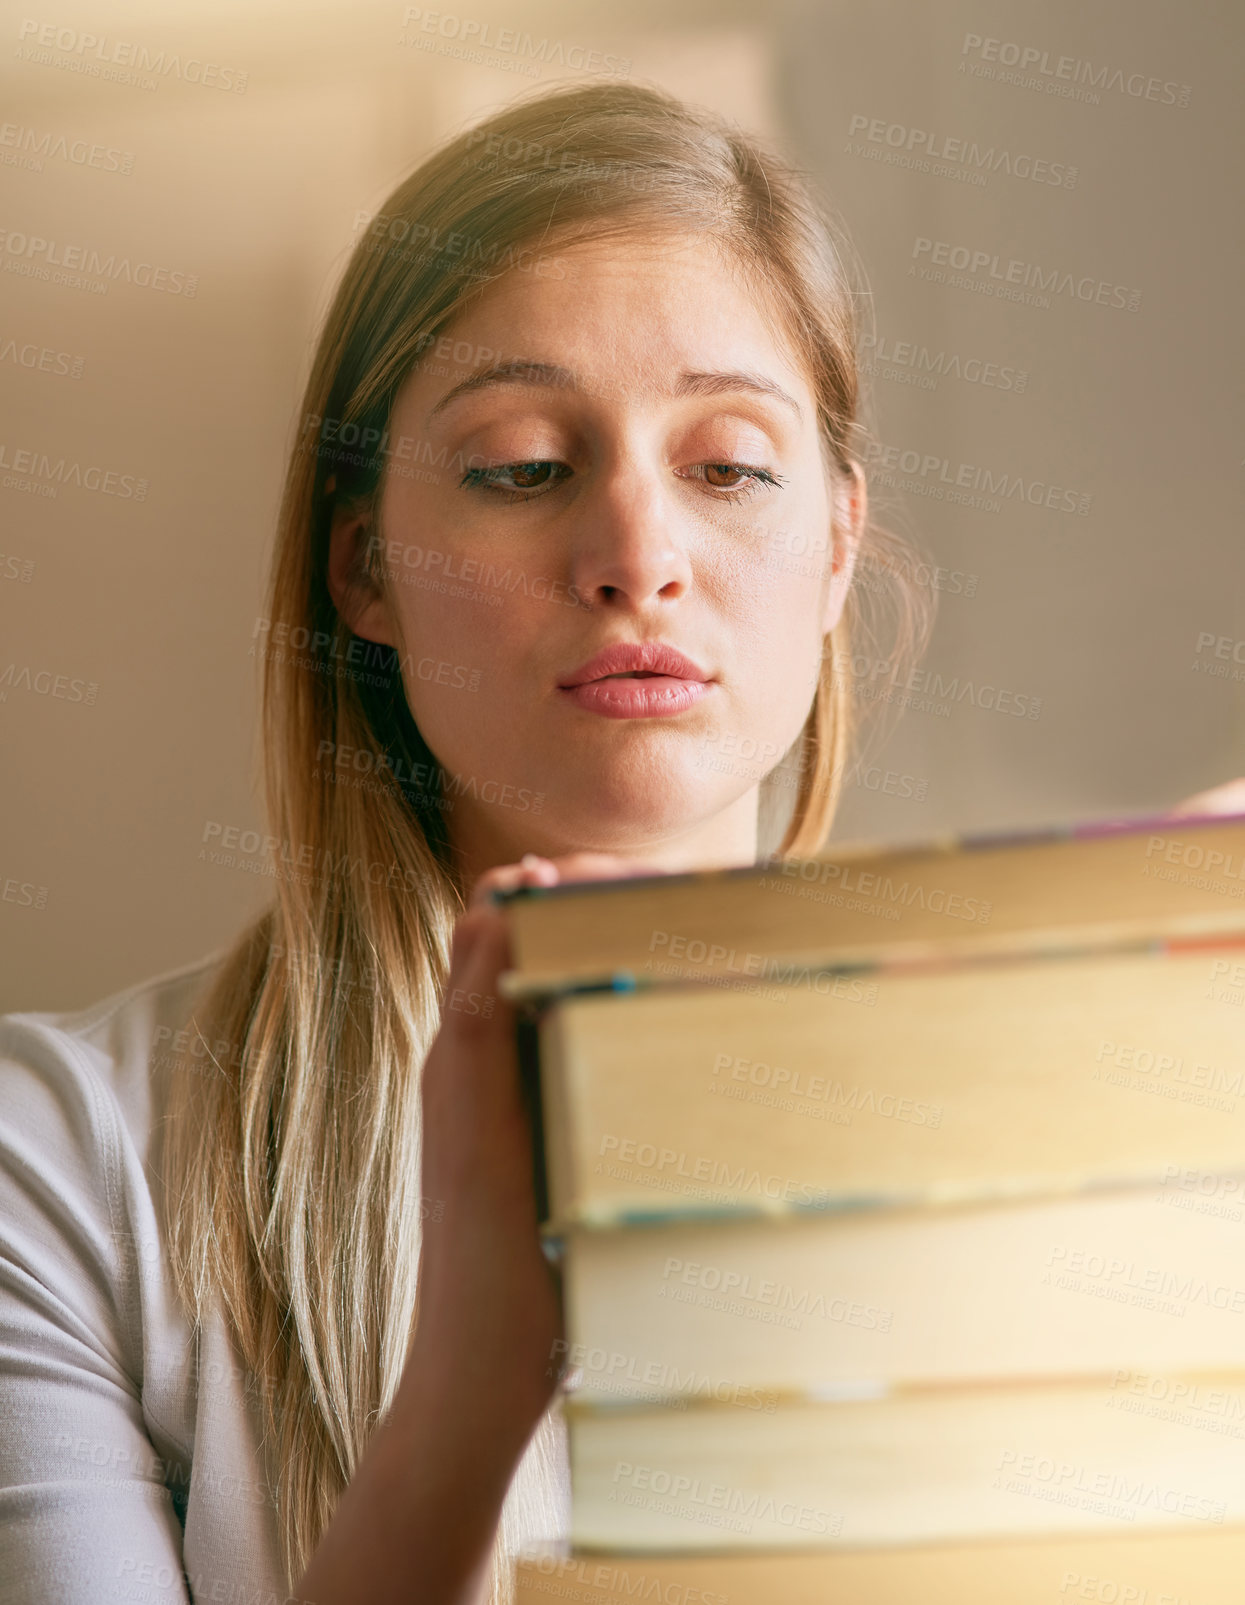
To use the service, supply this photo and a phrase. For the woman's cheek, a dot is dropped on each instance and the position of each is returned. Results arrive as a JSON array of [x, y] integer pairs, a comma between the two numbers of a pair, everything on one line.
[[475, 669], [792, 677]]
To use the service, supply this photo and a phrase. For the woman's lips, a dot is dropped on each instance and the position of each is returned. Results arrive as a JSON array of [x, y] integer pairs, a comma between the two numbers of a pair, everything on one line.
[[636, 680], [630, 697]]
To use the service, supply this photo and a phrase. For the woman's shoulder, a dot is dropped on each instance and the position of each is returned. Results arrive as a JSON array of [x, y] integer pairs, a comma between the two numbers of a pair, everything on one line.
[[113, 1018], [130, 1442], [81, 1096], [96, 1067]]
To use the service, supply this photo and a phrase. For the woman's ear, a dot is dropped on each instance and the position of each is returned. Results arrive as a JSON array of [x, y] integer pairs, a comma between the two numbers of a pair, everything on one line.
[[356, 594], [850, 515]]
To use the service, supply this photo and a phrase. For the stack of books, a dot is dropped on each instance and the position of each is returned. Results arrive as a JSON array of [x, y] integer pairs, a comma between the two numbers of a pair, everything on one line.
[[901, 1199]]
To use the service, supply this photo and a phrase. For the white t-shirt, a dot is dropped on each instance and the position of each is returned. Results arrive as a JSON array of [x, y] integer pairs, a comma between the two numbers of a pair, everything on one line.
[[130, 1467]]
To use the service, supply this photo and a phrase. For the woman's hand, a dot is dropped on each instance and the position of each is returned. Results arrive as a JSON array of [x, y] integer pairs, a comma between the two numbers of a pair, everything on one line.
[[422, 1508], [489, 1309], [489, 1302]]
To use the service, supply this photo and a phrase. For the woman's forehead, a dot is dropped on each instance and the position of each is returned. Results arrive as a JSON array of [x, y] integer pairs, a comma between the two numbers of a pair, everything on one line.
[[637, 315]]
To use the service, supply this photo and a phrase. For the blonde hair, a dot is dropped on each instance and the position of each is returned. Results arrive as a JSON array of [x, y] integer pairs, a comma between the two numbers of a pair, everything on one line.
[[291, 1166]]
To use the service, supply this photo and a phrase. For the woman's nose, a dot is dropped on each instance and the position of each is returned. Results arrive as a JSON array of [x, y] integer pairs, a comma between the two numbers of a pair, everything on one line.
[[629, 548]]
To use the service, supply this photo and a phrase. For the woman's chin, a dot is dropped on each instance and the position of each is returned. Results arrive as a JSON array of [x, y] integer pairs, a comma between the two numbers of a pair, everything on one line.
[[617, 814]]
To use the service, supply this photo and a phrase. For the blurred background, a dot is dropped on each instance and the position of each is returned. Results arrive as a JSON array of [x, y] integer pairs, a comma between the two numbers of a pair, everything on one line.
[[1045, 205]]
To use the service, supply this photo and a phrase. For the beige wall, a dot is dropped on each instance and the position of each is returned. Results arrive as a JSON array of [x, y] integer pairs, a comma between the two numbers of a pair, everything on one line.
[[138, 614]]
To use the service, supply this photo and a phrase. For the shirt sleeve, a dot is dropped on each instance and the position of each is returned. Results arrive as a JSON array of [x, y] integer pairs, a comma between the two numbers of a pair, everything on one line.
[[85, 1515]]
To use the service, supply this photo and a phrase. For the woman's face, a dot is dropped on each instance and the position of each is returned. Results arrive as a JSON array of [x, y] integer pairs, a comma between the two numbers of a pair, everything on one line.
[[618, 450]]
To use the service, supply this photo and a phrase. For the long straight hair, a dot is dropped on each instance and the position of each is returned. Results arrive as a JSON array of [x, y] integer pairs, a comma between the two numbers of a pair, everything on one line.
[[291, 1167]]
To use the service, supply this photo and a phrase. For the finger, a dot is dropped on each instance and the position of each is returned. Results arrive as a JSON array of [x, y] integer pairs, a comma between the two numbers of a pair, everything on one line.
[[531, 870], [605, 866], [470, 1077], [472, 1004], [489, 946]]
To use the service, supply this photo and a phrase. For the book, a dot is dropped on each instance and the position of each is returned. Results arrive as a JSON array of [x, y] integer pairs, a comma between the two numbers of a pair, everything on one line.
[[1025, 1074], [1118, 1568], [898, 1192], [1083, 886], [913, 1466], [1112, 1283]]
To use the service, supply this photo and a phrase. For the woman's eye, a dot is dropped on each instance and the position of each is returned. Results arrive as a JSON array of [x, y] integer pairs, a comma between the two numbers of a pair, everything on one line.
[[743, 477], [520, 480]]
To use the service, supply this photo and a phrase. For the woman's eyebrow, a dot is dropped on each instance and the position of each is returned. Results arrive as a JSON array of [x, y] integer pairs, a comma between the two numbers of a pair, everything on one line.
[[716, 384], [689, 383], [517, 372]]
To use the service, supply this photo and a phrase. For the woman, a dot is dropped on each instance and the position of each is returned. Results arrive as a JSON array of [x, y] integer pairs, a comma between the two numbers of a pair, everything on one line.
[[561, 589]]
